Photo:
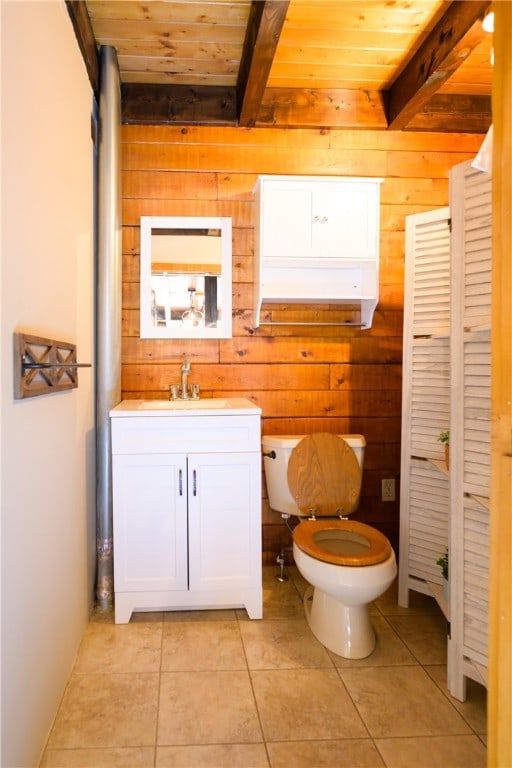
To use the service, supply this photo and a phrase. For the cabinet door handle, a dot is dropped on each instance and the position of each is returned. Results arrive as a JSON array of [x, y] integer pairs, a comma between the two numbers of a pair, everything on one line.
[[194, 483], [180, 482]]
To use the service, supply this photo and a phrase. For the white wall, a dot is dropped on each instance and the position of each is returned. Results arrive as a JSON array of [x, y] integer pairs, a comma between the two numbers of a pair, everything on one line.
[[47, 443]]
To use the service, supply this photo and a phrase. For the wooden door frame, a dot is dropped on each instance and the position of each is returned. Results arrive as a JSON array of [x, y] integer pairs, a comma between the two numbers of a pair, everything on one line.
[[499, 733]]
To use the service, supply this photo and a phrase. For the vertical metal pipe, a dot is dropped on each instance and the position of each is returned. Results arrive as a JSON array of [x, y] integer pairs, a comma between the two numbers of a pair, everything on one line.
[[108, 310]]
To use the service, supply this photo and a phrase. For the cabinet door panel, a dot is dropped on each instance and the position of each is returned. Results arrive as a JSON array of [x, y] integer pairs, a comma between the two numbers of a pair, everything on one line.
[[345, 222], [287, 221], [224, 520], [150, 534]]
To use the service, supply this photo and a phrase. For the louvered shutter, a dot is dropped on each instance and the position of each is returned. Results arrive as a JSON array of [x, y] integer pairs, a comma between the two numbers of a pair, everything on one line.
[[424, 491], [471, 206]]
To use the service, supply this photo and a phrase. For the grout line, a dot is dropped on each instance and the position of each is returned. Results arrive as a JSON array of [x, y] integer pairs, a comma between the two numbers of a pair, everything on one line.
[[155, 746], [263, 739]]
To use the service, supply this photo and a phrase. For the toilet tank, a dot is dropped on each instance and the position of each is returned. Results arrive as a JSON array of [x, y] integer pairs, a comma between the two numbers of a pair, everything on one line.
[[276, 469]]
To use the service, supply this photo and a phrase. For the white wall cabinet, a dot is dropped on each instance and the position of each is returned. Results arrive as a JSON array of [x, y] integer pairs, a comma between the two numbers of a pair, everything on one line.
[[317, 240], [187, 510], [446, 375]]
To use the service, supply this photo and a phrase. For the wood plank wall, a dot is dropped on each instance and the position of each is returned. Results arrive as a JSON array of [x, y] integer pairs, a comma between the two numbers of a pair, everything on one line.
[[305, 379]]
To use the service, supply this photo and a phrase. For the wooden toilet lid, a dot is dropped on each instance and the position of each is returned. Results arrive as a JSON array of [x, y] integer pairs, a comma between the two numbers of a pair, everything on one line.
[[324, 476]]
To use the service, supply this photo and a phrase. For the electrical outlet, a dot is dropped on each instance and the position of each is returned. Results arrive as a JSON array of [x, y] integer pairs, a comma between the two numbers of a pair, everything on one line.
[[388, 489]]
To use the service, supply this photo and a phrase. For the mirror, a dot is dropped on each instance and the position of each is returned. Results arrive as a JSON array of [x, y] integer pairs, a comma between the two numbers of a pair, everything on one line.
[[185, 277]]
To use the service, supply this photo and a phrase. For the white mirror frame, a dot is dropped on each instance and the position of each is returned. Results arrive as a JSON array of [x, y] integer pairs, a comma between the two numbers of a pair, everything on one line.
[[147, 328]]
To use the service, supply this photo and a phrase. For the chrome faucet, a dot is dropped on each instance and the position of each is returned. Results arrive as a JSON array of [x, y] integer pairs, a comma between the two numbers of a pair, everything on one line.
[[177, 393], [185, 370]]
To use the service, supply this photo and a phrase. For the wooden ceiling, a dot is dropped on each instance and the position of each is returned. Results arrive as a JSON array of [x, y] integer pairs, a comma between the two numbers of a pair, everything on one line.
[[381, 64]]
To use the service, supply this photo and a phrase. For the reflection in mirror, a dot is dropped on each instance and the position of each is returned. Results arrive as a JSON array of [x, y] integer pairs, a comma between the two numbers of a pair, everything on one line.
[[185, 277]]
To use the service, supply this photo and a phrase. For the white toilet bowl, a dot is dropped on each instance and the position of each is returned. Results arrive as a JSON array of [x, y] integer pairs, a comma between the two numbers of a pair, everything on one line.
[[348, 564]]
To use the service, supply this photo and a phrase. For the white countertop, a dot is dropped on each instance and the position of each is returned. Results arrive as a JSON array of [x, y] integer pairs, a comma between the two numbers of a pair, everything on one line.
[[206, 406]]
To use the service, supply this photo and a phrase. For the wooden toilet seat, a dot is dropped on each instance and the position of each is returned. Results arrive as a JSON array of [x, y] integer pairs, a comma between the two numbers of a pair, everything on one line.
[[324, 477], [334, 541]]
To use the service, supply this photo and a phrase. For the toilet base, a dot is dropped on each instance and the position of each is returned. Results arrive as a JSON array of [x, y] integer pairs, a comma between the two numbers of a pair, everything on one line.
[[345, 630]]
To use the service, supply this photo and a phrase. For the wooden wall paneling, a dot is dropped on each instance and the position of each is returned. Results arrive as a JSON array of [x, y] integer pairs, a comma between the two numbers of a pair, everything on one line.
[[306, 379], [313, 138], [420, 164], [262, 159], [134, 208]]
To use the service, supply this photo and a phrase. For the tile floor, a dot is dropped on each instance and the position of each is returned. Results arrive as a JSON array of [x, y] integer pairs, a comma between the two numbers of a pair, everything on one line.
[[211, 689]]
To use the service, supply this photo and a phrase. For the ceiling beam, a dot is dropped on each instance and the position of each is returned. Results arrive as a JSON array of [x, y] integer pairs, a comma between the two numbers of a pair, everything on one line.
[[322, 108], [445, 49], [154, 104], [454, 113], [85, 37], [266, 21]]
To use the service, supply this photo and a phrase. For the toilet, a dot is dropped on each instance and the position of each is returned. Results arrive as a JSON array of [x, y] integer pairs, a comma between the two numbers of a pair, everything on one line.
[[347, 563]]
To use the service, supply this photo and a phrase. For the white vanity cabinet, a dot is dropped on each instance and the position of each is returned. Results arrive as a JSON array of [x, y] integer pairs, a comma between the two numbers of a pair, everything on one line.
[[187, 507]]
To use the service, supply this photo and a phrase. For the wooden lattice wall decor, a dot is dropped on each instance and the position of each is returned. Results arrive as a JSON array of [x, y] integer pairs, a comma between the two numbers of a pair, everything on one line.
[[43, 365]]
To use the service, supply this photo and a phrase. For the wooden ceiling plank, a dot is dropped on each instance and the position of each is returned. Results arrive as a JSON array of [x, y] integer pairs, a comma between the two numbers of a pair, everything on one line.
[[385, 17], [266, 21], [177, 104], [166, 31], [177, 49], [85, 37], [347, 39], [191, 67], [207, 12], [182, 79], [445, 49]]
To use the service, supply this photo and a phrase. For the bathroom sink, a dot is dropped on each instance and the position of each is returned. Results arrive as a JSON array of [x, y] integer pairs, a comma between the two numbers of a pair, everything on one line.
[[207, 403]]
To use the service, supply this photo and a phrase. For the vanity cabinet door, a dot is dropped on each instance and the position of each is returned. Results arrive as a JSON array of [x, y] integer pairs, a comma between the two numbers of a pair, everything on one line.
[[224, 521], [150, 522]]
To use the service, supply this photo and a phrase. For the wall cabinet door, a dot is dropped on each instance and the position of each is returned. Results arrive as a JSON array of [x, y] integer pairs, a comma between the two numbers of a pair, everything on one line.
[[320, 219], [150, 522], [223, 520]]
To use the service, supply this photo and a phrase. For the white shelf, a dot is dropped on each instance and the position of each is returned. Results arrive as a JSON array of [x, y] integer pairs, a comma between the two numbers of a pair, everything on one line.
[[438, 593]]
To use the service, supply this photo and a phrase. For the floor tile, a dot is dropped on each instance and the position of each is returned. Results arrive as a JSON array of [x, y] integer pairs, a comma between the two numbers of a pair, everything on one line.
[[281, 600], [227, 614], [202, 645], [474, 709], [418, 603], [445, 751], [297, 579], [340, 753], [146, 617], [120, 648], [282, 644], [207, 708], [389, 649], [213, 756], [425, 636], [313, 701], [109, 710], [401, 701], [211, 689], [130, 757]]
